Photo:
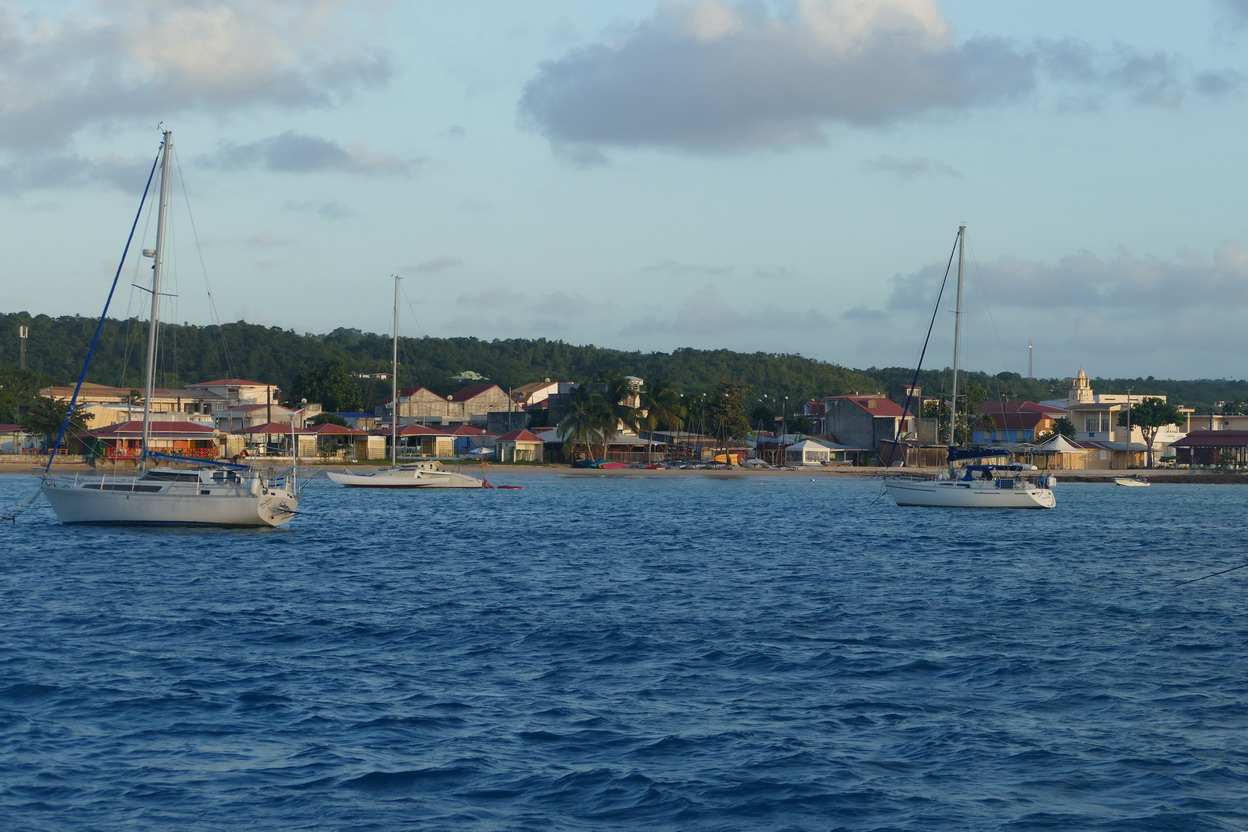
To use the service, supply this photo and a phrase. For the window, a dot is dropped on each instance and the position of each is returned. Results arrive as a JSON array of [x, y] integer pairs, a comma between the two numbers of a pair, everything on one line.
[[1097, 422]]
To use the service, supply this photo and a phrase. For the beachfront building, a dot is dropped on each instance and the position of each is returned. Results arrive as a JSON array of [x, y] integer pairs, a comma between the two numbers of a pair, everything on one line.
[[863, 421], [1212, 448], [422, 406], [535, 393], [226, 404], [807, 452], [417, 405], [474, 403], [1015, 422], [123, 440], [519, 446], [1095, 417]]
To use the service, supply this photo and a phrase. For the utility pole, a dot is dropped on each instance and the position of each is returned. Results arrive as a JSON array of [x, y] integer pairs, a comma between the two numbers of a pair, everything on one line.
[[1031, 346], [22, 332], [1128, 427]]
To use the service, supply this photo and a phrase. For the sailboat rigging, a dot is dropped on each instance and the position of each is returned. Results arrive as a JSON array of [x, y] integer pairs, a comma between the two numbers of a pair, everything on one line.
[[1011, 485], [164, 489]]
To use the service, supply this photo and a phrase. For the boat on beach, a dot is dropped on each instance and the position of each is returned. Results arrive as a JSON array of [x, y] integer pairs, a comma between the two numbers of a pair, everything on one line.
[[167, 489], [1008, 485]]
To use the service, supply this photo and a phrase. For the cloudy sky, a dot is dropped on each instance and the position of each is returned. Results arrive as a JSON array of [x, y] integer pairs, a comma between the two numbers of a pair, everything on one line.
[[760, 175]]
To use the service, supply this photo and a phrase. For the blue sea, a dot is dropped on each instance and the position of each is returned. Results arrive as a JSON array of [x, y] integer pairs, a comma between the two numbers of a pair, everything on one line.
[[661, 652]]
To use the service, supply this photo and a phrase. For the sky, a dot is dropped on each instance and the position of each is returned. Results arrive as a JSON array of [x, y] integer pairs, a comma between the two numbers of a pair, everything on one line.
[[784, 176]]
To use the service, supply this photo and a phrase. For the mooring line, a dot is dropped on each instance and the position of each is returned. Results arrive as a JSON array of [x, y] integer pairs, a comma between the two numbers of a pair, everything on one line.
[[1212, 575]]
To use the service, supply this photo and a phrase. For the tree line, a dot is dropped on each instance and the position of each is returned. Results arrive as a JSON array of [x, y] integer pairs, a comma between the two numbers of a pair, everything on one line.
[[303, 364]]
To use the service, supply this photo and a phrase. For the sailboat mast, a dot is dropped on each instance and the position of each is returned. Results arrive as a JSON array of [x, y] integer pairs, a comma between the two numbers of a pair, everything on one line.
[[153, 322], [957, 335], [394, 378]]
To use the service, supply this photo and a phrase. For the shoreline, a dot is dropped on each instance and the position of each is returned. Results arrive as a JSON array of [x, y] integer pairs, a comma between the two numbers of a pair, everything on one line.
[[1090, 475]]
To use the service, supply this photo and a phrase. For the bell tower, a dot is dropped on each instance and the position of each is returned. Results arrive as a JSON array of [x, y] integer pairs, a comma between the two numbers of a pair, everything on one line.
[[1080, 389]]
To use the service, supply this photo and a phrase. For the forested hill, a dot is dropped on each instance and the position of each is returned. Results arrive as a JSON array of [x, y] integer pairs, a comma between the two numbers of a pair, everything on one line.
[[57, 346]]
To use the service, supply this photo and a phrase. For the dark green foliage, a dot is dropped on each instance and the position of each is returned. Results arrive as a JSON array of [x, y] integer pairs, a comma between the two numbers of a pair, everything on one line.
[[328, 383], [18, 388], [726, 412], [45, 415], [1150, 416], [57, 346]]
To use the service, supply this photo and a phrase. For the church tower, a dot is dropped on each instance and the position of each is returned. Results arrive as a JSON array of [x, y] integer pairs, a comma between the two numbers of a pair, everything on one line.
[[1080, 389]]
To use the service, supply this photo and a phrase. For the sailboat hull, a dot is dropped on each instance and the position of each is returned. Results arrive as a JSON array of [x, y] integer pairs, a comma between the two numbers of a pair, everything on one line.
[[405, 478], [129, 502], [962, 494]]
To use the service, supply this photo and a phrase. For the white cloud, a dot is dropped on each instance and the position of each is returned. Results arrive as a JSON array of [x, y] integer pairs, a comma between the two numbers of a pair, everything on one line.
[[916, 167], [717, 76], [292, 152], [110, 61], [439, 265], [1125, 282]]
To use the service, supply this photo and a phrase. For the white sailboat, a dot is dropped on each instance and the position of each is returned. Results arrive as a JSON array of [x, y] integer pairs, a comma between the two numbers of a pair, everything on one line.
[[1011, 485], [418, 474], [205, 494]]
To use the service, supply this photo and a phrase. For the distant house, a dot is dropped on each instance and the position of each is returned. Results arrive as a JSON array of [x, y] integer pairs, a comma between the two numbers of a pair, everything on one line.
[[468, 438], [476, 401], [239, 390], [518, 446], [359, 421], [418, 405], [239, 416], [124, 440], [420, 440], [864, 420], [14, 439], [195, 402], [529, 395], [807, 452], [1015, 424]]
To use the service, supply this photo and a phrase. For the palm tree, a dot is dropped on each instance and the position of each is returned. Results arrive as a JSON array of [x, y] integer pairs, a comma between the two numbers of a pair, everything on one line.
[[661, 404], [616, 408], [578, 420]]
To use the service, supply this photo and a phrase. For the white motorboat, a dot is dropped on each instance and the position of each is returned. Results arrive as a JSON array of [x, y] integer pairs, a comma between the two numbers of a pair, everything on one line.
[[180, 491], [416, 474], [972, 486], [1132, 482]]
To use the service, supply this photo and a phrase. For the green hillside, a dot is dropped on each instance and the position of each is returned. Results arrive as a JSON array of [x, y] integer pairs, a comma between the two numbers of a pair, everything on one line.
[[57, 346]]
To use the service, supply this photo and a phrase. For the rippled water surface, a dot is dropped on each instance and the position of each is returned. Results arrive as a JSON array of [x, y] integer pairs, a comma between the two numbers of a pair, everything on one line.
[[641, 653]]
